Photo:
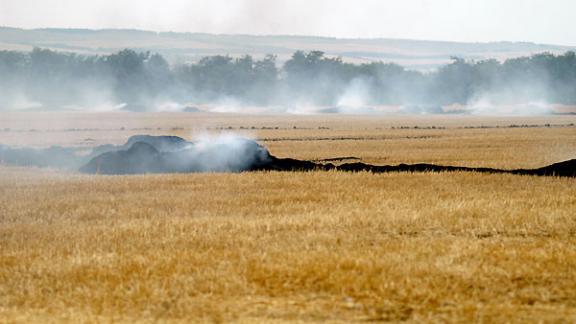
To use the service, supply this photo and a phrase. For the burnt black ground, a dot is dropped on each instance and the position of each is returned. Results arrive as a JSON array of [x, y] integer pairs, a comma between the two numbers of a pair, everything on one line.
[[561, 169], [171, 154]]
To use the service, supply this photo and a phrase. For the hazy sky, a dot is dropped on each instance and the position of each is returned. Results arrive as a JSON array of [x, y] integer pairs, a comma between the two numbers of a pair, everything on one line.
[[543, 21]]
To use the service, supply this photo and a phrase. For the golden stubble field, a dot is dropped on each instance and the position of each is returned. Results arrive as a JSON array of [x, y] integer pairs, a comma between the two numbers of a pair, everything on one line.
[[276, 247]]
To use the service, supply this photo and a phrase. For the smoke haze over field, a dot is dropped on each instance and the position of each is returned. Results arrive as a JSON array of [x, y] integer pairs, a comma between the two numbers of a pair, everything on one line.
[[309, 82]]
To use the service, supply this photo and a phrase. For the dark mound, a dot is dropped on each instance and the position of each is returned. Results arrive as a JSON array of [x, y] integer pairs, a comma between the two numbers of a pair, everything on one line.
[[171, 154], [561, 169], [140, 158], [161, 143]]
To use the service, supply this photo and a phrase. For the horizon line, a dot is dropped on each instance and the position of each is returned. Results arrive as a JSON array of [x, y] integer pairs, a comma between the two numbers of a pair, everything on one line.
[[287, 35]]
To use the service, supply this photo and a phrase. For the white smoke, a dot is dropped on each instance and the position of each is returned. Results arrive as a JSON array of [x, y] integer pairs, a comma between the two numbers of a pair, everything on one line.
[[355, 98], [169, 106], [302, 107], [226, 104], [225, 152], [487, 106], [17, 101]]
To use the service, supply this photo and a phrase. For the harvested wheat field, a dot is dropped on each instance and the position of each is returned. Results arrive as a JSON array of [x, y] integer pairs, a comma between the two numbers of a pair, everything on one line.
[[294, 246]]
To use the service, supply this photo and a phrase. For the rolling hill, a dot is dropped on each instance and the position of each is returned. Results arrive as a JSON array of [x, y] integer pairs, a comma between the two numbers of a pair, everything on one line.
[[182, 47]]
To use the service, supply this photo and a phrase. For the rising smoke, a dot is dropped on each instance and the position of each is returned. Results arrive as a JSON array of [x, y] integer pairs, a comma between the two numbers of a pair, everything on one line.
[[147, 154], [307, 83]]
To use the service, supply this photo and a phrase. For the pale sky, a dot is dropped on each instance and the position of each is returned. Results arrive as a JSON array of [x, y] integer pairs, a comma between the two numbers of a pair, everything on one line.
[[541, 21]]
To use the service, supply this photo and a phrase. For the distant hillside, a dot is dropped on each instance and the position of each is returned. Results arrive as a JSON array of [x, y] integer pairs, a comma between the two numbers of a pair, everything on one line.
[[183, 47]]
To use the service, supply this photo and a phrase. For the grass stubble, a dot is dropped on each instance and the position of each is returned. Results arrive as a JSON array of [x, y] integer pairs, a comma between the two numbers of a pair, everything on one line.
[[317, 246]]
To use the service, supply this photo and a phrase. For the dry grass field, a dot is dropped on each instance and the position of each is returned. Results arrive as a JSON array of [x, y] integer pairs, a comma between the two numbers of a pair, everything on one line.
[[282, 247]]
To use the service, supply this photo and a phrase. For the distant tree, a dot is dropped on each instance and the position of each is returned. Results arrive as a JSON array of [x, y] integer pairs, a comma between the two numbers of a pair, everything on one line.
[[454, 82], [132, 86], [159, 75], [13, 71], [12, 62], [264, 88]]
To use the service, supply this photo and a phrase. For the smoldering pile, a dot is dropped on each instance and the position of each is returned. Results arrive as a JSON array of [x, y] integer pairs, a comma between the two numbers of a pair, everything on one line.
[[143, 154], [146, 154], [171, 154]]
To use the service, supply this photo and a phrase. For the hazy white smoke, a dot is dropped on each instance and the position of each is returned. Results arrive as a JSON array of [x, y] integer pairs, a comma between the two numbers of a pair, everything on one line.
[[355, 95], [301, 108], [526, 101], [16, 101], [226, 152], [226, 104], [355, 98], [169, 106]]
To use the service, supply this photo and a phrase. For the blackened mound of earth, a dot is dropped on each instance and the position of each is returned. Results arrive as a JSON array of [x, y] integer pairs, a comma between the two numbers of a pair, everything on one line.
[[172, 154], [560, 169], [141, 157], [161, 143]]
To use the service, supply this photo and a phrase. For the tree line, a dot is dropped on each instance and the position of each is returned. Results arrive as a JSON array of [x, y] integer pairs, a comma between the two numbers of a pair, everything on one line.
[[140, 79]]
